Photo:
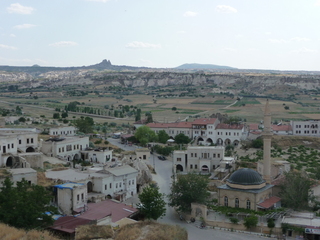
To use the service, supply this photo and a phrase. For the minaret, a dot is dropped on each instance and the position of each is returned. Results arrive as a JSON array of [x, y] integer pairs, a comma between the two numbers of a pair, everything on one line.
[[267, 135]]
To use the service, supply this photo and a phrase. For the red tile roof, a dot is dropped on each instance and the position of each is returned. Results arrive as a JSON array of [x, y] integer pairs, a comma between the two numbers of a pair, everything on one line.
[[253, 126], [69, 224], [105, 208], [269, 202], [96, 211], [204, 121], [229, 126], [279, 180], [286, 128], [142, 121], [170, 125]]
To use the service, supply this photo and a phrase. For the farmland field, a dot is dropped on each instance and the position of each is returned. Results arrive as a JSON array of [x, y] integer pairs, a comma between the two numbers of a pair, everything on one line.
[[167, 106]]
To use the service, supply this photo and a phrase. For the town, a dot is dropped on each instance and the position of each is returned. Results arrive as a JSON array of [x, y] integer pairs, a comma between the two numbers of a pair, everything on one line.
[[102, 186]]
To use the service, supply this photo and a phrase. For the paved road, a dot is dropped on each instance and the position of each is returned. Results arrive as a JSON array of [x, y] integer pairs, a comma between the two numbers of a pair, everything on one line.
[[163, 178]]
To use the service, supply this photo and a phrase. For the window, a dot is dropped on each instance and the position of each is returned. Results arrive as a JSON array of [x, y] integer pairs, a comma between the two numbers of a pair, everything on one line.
[[218, 155], [236, 202], [214, 155], [132, 182], [178, 159], [191, 166], [116, 185], [28, 140], [248, 204], [226, 201], [31, 140], [191, 154], [82, 196], [69, 147], [195, 166], [78, 197], [195, 155], [12, 145], [110, 185], [20, 141], [120, 185], [105, 187]]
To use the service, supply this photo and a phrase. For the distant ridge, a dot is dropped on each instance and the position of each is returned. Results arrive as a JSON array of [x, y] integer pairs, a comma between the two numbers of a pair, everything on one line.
[[202, 66]]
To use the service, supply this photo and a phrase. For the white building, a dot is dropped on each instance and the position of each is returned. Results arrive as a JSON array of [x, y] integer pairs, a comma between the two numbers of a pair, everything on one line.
[[13, 142], [70, 197], [17, 174], [97, 156], [205, 131], [65, 148], [118, 182], [306, 128], [282, 129], [198, 159], [230, 134], [63, 131]]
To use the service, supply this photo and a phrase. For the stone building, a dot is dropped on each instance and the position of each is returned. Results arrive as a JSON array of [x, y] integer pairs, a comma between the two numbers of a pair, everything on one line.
[[204, 159], [63, 131], [67, 148], [14, 142], [246, 189]]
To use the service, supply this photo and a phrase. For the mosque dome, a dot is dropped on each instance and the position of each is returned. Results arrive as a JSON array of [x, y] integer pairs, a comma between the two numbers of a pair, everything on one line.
[[246, 178]]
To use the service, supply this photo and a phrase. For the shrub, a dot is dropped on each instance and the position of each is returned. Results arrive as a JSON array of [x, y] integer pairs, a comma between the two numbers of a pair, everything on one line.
[[234, 220]]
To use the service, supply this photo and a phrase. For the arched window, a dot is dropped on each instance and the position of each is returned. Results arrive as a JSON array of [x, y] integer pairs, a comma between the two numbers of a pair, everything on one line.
[[248, 204], [236, 202], [226, 201]]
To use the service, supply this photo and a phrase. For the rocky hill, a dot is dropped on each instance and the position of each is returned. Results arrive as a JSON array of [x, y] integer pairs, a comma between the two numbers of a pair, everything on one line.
[[250, 82]]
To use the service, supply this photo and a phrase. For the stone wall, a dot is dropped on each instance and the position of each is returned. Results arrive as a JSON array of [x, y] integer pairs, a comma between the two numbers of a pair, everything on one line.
[[34, 159]]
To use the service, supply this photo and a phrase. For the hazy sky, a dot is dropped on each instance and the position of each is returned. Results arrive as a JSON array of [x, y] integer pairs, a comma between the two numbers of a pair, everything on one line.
[[251, 34]]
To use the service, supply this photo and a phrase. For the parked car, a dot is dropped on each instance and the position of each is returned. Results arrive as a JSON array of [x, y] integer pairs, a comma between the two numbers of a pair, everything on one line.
[[162, 158]]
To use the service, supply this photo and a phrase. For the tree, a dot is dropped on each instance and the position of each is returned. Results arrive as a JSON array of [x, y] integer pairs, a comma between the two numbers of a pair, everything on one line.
[[286, 107], [18, 110], [149, 117], [174, 109], [187, 189], [250, 221], [257, 143], [163, 136], [25, 205], [144, 135], [182, 139], [22, 119], [84, 125], [295, 190], [152, 204], [271, 224], [64, 115], [56, 115]]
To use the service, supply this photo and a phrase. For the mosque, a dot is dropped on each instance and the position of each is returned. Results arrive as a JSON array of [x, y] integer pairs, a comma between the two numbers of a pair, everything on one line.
[[247, 188]]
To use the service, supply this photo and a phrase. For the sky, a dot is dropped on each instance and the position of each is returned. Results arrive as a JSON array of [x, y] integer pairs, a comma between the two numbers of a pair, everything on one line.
[[246, 34]]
